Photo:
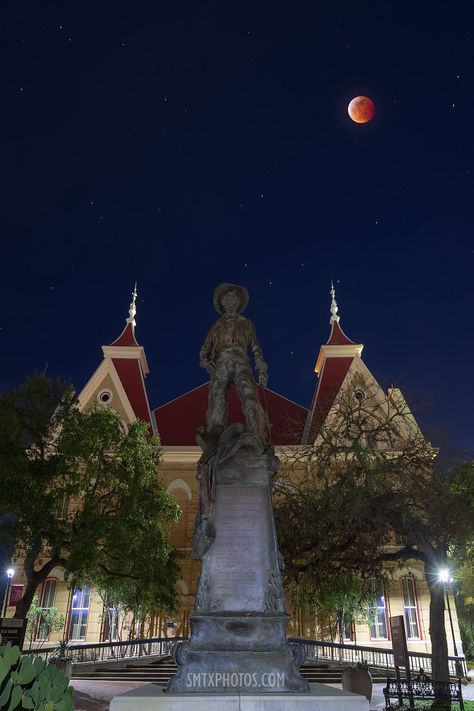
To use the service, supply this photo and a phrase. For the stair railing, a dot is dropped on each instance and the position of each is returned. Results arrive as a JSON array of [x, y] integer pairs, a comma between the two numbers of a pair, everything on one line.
[[377, 657], [315, 651], [114, 651]]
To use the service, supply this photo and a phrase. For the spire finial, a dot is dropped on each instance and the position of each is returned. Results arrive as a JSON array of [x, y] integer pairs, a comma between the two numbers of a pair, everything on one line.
[[334, 317], [133, 308]]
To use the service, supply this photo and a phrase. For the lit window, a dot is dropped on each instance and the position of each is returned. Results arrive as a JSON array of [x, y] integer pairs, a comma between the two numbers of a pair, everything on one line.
[[47, 602], [378, 629], [410, 608], [79, 613], [111, 630]]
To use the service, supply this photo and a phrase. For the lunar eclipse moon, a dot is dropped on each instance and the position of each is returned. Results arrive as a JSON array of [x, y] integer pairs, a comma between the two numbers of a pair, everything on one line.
[[361, 109]]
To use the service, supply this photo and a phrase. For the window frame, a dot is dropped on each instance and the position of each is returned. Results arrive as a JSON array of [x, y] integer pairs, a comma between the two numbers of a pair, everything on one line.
[[115, 623], [375, 626], [415, 607], [72, 609], [43, 607]]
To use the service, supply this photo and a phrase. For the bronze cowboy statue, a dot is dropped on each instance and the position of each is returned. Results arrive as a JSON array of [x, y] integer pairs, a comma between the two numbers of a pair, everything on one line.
[[225, 356]]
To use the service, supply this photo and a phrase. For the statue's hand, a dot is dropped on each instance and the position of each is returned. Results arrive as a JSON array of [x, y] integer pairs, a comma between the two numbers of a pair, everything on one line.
[[208, 365]]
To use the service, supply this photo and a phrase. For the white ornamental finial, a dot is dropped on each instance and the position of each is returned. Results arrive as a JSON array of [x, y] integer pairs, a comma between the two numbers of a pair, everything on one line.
[[133, 307], [334, 309]]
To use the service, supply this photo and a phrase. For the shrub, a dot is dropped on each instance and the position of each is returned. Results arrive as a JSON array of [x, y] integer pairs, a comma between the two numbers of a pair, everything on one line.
[[27, 683]]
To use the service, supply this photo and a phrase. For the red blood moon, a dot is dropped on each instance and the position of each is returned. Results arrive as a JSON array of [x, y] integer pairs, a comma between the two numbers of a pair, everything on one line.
[[361, 109]]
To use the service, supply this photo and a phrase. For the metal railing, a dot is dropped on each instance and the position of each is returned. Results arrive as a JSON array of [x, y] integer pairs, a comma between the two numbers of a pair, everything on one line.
[[379, 657], [113, 651], [315, 650]]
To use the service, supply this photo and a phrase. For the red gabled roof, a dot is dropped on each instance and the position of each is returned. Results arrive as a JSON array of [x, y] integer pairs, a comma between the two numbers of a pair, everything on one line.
[[334, 360], [127, 337], [330, 380], [338, 337], [130, 374], [177, 420]]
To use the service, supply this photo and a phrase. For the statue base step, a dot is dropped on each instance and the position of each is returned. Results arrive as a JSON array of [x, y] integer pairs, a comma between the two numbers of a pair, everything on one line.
[[321, 698], [232, 651]]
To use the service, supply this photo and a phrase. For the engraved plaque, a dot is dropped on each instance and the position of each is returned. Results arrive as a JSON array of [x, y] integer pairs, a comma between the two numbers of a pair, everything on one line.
[[240, 558]]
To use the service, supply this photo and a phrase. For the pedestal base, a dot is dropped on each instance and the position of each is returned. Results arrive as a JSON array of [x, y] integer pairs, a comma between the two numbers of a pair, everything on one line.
[[236, 652], [321, 698]]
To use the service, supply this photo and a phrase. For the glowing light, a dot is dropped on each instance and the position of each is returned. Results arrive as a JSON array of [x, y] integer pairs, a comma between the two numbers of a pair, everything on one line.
[[445, 575], [10, 573]]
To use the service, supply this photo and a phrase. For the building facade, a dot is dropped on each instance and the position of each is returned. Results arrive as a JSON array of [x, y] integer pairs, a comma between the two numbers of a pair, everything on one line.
[[120, 383]]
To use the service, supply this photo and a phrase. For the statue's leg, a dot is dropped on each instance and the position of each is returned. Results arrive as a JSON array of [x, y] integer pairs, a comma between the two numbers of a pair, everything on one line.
[[216, 416], [252, 409]]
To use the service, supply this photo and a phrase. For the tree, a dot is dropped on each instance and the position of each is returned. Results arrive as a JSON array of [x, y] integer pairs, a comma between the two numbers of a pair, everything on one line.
[[83, 493], [338, 601], [43, 621], [368, 492]]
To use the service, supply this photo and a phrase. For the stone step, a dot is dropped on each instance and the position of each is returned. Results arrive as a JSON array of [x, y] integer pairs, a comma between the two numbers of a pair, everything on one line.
[[155, 673]]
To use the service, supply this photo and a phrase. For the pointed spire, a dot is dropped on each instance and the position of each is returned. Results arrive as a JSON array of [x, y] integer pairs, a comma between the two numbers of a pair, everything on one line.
[[127, 337], [334, 309], [133, 308]]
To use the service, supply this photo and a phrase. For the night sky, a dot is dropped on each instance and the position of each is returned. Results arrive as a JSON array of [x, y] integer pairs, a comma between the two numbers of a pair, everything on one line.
[[183, 144]]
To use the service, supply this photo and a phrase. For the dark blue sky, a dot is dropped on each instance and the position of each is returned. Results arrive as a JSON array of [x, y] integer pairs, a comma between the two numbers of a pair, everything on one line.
[[182, 144]]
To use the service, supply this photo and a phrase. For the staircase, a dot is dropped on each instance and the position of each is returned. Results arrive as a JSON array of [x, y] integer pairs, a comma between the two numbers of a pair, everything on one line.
[[160, 671]]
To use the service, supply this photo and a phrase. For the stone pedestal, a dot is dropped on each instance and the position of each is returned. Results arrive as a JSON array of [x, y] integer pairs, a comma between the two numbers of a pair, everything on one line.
[[238, 627], [320, 698]]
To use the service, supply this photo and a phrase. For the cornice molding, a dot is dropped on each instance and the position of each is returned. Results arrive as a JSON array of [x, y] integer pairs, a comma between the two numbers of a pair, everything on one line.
[[127, 352], [343, 351], [183, 455]]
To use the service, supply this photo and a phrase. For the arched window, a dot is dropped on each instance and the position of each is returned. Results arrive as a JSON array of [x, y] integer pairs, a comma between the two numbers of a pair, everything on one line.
[[379, 629], [79, 613], [48, 595], [410, 607]]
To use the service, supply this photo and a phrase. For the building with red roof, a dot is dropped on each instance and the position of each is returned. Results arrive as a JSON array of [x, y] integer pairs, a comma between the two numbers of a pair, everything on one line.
[[119, 382]]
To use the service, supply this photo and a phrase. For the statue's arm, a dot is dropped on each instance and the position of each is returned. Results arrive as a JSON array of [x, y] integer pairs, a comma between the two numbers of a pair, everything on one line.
[[206, 353], [260, 363]]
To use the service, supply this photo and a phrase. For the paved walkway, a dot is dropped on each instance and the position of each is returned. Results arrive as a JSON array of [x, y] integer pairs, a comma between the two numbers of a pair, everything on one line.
[[96, 695]]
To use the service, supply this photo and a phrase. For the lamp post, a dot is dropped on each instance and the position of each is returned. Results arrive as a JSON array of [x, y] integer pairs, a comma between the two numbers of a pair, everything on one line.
[[10, 574], [445, 578]]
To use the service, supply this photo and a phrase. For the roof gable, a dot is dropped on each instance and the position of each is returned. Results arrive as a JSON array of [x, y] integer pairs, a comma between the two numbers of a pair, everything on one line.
[[177, 420]]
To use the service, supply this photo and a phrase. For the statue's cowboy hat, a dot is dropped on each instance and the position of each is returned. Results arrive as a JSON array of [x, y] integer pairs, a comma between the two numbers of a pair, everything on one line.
[[224, 289]]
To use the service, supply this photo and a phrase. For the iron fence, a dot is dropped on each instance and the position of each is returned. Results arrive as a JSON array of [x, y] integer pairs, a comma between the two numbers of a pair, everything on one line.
[[315, 650], [378, 657], [113, 651]]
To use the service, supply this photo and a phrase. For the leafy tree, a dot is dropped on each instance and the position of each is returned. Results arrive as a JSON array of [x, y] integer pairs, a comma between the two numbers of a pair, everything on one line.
[[85, 495], [347, 599], [368, 492], [46, 619], [338, 601]]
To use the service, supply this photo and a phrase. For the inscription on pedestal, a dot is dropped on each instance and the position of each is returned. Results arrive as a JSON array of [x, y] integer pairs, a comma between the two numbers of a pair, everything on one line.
[[240, 560]]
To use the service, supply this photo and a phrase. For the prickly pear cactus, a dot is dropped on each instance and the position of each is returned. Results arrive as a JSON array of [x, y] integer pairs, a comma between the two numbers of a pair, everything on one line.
[[28, 683]]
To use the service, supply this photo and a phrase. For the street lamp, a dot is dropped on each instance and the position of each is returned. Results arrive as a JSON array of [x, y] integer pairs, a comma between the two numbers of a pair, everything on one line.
[[446, 579], [10, 574]]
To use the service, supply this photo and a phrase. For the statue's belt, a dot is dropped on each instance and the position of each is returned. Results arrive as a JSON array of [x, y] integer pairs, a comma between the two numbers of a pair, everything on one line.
[[232, 351]]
